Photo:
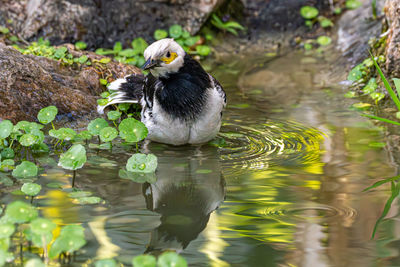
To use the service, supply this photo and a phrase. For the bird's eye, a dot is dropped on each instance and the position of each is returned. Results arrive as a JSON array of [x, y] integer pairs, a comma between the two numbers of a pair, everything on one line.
[[168, 54]]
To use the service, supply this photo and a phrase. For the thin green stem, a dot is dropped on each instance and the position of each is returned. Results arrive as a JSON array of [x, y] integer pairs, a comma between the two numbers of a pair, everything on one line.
[[380, 119], [52, 125]]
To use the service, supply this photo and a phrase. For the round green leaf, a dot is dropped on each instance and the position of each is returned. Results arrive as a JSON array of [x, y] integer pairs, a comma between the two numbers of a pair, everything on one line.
[[353, 4], [25, 169], [114, 115], [22, 125], [171, 259], [66, 244], [85, 135], [144, 261], [78, 194], [142, 163], [309, 12], [42, 239], [31, 189], [89, 200], [124, 106], [34, 263], [73, 230], [160, 34], [132, 130], [106, 263], [6, 128], [324, 40], [7, 153], [20, 212], [175, 31], [6, 230], [203, 50], [42, 226], [139, 45], [108, 134], [96, 125], [80, 45], [74, 158], [27, 140], [47, 115], [63, 134]]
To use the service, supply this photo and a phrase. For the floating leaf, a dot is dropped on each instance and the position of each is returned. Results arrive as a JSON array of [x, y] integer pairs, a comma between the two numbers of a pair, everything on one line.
[[106, 263], [108, 134], [31, 189], [63, 134], [73, 230], [74, 158], [114, 115], [6, 230], [34, 263], [6, 128], [132, 130], [171, 259], [47, 115], [80, 45], [96, 125], [42, 226], [144, 261], [137, 177], [160, 34], [20, 212], [78, 194], [25, 169], [142, 163], [309, 12], [88, 200]]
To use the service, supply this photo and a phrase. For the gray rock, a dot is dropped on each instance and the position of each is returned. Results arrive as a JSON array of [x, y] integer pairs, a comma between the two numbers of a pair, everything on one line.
[[101, 23], [29, 83], [392, 11], [356, 28]]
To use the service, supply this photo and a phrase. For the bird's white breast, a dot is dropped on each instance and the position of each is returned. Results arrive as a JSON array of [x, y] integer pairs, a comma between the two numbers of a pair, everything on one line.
[[166, 129]]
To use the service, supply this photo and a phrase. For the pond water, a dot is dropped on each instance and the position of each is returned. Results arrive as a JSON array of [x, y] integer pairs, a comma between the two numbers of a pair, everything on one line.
[[284, 190]]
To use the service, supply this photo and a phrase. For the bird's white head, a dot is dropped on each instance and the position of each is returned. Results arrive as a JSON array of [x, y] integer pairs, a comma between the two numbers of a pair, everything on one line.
[[164, 57]]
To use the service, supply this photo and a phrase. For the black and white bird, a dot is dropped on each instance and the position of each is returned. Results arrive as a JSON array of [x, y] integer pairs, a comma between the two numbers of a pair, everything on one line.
[[181, 102]]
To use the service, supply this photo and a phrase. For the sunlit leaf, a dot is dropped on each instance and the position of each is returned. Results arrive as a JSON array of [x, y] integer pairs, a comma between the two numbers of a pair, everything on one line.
[[25, 169], [47, 115], [27, 140], [309, 12], [63, 133], [80, 45], [324, 40], [20, 212], [144, 261], [171, 259], [142, 163], [6, 230], [160, 34], [203, 50], [42, 226], [34, 263], [175, 31], [108, 134], [74, 158], [132, 130], [6, 128], [114, 115], [31, 189], [106, 263], [96, 125]]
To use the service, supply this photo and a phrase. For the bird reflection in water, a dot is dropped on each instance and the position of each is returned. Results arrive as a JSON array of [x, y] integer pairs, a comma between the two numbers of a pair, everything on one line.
[[184, 196]]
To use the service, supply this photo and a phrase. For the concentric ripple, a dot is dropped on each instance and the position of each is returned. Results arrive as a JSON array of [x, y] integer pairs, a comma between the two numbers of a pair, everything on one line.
[[259, 146]]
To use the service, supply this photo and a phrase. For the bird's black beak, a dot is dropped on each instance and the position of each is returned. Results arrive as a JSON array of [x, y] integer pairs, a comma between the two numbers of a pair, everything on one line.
[[149, 64]]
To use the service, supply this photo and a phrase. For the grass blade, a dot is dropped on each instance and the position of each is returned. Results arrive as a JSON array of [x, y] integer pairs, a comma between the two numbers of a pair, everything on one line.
[[395, 192], [397, 85], [381, 182], [380, 119], [386, 83]]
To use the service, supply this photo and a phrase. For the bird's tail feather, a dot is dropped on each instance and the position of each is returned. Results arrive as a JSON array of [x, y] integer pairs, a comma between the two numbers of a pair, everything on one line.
[[126, 90]]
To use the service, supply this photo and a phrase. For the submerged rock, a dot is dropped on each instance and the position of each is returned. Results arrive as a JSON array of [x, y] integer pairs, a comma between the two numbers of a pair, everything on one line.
[[101, 23], [29, 83], [392, 11]]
